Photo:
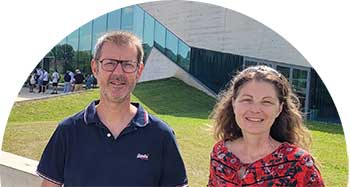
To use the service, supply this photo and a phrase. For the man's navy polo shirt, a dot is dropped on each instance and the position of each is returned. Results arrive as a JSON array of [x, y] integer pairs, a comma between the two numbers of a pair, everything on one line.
[[83, 152]]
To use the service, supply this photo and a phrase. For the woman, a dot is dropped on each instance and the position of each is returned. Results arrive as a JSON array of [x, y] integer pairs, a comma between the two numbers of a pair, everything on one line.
[[262, 140]]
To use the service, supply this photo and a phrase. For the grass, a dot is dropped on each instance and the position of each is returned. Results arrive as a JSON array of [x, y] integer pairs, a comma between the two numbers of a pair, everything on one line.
[[184, 108]]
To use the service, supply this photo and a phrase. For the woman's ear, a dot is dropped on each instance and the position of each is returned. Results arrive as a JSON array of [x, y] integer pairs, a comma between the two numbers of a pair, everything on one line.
[[280, 109], [233, 103]]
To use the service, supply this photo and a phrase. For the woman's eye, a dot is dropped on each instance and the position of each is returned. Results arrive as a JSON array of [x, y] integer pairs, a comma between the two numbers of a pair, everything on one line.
[[246, 100], [267, 102]]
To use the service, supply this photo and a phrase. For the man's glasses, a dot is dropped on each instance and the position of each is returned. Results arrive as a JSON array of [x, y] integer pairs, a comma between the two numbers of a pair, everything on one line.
[[128, 66]]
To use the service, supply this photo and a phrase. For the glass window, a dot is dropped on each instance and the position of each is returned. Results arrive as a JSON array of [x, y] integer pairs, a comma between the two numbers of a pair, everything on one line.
[[159, 36], [183, 57], [73, 39], [249, 63], [114, 19], [299, 82], [138, 21], [127, 18], [171, 45], [99, 28], [148, 33], [285, 71], [265, 64], [85, 37], [64, 41]]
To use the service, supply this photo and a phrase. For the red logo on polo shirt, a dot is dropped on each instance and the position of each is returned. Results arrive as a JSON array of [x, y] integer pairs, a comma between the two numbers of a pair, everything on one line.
[[142, 156]]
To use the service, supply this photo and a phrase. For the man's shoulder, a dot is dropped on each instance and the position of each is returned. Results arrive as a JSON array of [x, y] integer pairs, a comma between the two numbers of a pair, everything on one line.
[[159, 124], [73, 120]]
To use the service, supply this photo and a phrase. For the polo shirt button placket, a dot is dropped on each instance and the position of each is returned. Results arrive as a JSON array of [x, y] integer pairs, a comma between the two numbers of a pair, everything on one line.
[[109, 135]]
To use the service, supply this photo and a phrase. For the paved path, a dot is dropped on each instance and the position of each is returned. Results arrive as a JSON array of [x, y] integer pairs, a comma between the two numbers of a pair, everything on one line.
[[24, 94]]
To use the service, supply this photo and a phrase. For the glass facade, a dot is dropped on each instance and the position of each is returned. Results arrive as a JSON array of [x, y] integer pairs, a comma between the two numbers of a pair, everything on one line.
[[99, 27], [133, 19], [114, 20], [127, 18]]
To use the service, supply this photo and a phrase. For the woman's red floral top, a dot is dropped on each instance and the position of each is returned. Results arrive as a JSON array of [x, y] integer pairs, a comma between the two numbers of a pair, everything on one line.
[[288, 165]]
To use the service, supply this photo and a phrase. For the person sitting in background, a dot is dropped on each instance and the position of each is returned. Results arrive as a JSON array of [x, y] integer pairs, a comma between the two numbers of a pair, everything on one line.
[[261, 137]]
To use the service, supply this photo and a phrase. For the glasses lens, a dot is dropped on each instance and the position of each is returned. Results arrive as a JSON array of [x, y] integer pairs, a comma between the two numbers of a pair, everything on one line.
[[108, 65], [128, 66]]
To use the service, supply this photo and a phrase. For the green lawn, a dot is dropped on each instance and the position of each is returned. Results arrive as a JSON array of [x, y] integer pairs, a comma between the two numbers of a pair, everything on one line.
[[184, 108]]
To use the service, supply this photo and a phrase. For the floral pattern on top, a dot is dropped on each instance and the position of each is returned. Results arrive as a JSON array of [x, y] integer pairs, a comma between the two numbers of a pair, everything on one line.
[[287, 165]]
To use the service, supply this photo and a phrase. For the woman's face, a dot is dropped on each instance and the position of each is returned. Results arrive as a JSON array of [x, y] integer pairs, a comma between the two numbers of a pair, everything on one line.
[[256, 107]]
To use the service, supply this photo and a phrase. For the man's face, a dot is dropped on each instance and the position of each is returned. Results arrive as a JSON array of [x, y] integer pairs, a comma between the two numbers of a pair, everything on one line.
[[116, 86]]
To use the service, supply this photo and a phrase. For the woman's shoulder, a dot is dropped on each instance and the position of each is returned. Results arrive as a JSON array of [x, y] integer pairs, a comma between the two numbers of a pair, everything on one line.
[[218, 148], [294, 152]]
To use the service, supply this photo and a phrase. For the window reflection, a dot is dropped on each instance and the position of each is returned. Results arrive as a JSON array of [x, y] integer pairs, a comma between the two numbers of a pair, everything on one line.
[[127, 18], [148, 34], [99, 28], [73, 39], [138, 21], [159, 36], [285, 71], [249, 63], [183, 57], [114, 20], [85, 37], [299, 82], [171, 46]]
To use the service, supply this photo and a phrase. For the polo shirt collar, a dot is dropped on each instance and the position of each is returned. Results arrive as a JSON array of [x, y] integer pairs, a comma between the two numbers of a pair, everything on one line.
[[91, 117]]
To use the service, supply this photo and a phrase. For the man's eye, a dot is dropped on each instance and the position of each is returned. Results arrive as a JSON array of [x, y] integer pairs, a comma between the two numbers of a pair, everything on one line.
[[129, 64], [109, 63]]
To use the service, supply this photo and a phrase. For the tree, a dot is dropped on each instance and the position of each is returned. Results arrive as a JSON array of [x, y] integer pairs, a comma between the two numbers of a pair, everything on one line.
[[65, 53]]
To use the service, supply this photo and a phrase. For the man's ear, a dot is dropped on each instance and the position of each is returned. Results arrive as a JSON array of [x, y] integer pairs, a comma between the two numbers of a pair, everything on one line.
[[94, 67], [139, 71]]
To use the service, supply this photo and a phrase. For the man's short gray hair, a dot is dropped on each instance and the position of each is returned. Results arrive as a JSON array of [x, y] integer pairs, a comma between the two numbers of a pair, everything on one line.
[[120, 38]]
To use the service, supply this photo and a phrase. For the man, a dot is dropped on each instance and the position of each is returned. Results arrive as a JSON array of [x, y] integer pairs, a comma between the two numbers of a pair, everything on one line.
[[66, 78], [113, 142], [45, 80], [72, 81], [79, 80], [55, 78]]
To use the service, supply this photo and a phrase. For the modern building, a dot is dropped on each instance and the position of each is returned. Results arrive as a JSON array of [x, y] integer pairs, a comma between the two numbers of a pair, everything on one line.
[[202, 44]]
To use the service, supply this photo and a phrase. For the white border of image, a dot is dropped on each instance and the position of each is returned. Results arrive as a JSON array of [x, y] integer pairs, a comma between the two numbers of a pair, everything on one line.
[[318, 29]]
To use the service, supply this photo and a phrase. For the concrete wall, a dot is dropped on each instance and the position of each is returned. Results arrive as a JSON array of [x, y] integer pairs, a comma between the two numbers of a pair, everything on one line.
[[220, 29], [18, 171], [159, 66]]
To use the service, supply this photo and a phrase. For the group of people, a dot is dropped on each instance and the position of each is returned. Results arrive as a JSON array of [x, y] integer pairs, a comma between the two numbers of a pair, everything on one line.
[[261, 139], [40, 78], [74, 82]]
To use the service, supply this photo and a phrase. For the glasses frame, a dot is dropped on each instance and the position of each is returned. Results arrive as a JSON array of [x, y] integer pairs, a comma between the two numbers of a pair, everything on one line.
[[117, 62]]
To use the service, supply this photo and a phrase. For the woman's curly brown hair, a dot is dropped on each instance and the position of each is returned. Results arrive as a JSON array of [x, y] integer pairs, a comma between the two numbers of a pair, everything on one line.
[[287, 127]]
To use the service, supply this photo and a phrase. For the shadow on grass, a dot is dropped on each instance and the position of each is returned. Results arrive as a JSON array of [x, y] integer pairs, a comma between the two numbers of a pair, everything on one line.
[[173, 97], [325, 127]]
